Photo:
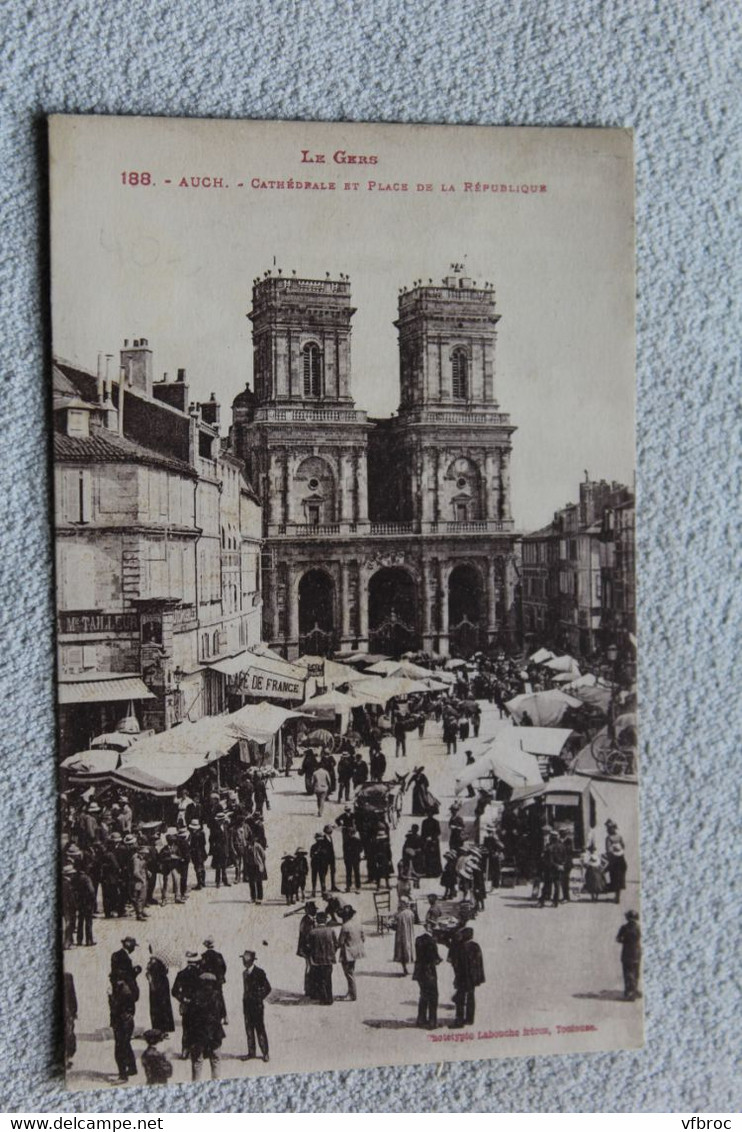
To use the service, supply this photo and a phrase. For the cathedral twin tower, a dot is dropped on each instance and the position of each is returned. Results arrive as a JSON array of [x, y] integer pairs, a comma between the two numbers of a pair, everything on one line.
[[380, 535]]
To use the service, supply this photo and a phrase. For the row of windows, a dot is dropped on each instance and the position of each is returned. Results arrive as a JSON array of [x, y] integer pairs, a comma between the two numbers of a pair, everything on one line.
[[312, 372]]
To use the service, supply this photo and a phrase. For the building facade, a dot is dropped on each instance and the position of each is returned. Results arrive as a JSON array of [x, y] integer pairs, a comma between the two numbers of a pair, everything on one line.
[[579, 573], [158, 538], [382, 535]]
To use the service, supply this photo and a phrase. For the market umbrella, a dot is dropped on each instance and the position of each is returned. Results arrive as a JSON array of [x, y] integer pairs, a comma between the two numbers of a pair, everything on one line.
[[87, 766], [338, 701], [372, 690], [596, 697], [455, 662], [564, 663], [546, 709], [541, 656], [589, 680], [115, 740]]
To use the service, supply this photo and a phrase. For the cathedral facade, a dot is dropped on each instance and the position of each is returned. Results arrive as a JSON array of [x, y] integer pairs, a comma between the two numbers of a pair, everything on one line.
[[380, 535]]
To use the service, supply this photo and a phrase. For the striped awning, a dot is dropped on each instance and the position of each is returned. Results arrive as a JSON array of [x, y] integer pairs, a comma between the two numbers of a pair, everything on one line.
[[103, 691]]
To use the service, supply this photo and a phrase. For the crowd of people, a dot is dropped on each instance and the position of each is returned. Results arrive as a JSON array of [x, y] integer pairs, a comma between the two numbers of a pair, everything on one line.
[[120, 863]]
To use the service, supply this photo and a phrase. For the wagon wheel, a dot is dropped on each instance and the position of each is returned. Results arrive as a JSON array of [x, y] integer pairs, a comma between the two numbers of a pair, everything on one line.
[[610, 757], [620, 761]]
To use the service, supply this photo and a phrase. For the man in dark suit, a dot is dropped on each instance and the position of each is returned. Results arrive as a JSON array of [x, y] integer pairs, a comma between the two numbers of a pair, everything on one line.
[[255, 990], [122, 966], [184, 990], [322, 945], [465, 956], [122, 998], [425, 974], [213, 963]]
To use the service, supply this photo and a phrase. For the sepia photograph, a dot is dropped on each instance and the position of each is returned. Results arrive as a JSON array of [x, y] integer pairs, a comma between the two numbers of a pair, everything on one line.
[[344, 494]]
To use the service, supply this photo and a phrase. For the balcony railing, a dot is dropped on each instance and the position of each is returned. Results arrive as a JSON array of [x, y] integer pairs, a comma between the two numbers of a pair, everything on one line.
[[392, 528], [473, 527], [292, 415], [457, 416]]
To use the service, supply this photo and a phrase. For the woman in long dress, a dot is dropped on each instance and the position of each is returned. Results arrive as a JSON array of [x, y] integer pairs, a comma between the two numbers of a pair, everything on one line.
[[430, 831], [423, 802], [595, 884], [615, 851], [404, 935], [160, 1002]]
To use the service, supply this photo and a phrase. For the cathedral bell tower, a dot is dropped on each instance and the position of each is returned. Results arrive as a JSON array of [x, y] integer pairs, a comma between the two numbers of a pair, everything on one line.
[[301, 340], [305, 444], [447, 338], [452, 443]]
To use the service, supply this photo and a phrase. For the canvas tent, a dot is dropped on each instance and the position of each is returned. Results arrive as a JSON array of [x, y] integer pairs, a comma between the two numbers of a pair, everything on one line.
[[546, 709]]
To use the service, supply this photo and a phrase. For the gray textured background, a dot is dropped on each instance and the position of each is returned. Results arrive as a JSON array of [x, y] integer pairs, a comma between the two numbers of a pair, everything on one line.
[[669, 69]]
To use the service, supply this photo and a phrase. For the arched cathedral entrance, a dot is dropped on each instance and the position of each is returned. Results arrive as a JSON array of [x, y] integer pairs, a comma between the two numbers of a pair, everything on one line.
[[317, 634], [465, 608], [392, 612]]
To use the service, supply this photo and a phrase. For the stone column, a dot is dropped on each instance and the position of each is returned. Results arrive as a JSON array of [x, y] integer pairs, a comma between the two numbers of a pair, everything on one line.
[[356, 486], [274, 576], [292, 608], [284, 487], [437, 489], [505, 483], [490, 491], [362, 489], [443, 597], [427, 594], [340, 517], [345, 601], [491, 598], [362, 609]]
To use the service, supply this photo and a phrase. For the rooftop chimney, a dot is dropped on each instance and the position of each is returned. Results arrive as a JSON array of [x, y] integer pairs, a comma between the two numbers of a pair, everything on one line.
[[137, 362]]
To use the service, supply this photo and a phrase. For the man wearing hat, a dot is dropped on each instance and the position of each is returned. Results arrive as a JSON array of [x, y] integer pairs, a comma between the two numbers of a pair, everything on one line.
[[630, 938], [169, 861], [322, 944], [206, 1032], [214, 962], [301, 872], [85, 899], [197, 849], [86, 829], [425, 974], [126, 814], [351, 947], [255, 990], [219, 846], [122, 998], [69, 904], [156, 1063], [327, 831], [122, 966], [306, 924], [344, 775], [184, 848], [319, 857], [110, 876], [288, 878], [184, 990]]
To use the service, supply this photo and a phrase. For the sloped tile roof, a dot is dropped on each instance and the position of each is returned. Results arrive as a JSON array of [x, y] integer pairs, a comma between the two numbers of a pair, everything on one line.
[[105, 447]]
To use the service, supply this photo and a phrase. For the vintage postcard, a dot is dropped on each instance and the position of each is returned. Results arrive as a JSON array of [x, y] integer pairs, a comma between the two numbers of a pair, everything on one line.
[[344, 502]]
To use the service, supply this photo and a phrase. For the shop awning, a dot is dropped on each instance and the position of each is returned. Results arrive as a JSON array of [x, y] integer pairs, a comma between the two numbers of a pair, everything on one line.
[[269, 677], [259, 722], [91, 765], [102, 691]]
